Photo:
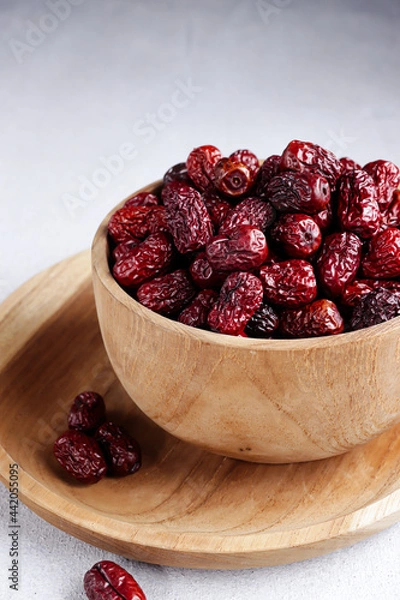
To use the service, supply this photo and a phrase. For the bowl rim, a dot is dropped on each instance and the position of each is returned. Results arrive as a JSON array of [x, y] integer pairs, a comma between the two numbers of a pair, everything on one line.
[[100, 266]]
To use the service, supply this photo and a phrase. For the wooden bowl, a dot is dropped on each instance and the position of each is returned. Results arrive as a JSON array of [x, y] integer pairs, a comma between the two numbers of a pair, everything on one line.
[[272, 401]]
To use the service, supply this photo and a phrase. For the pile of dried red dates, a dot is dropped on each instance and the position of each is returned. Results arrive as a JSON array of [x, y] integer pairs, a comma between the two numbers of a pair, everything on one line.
[[94, 447], [304, 245]]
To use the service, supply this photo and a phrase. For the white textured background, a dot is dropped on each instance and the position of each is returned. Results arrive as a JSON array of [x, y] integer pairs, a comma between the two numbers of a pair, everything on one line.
[[262, 72]]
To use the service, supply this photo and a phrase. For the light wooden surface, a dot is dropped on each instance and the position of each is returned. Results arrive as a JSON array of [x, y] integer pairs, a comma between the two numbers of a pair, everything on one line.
[[270, 401], [185, 507]]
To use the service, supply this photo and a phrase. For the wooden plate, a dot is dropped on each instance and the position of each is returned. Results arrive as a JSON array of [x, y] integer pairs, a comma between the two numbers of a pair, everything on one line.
[[185, 507]]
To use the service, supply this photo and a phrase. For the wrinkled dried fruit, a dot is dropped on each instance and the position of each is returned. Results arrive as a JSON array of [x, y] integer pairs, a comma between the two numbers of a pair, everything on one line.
[[124, 248], [80, 456], [319, 318], [290, 283], [324, 218], [383, 258], [386, 176], [263, 323], [249, 159], [136, 222], [240, 297], [168, 294], [298, 235], [349, 165], [187, 217], [143, 199], [200, 165], [306, 156], [268, 170], [391, 215], [148, 259], [299, 192], [178, 172], [250, 211], [359, 288], [217, 208], [203, 274], [358, 209], [338, 262], [242, 249], [196, 313], [121, 451], [232, 178], [108, 581], [87, 412], [376, 307]]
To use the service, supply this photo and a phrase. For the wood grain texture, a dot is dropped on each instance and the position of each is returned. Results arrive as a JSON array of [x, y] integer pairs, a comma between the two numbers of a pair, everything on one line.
[[185, 507], [270, 401]]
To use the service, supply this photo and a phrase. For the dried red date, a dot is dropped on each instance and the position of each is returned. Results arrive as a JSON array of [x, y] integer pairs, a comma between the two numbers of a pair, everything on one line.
[[290, 283], [203, 274], [391, 215], [240, 297], [306, 156], [121, 451], [87, 412], [136, 222], [168, 294], [124, 248], [263, 323], [250, 211], [80, 456], [143, 262], [382, 261], [242, 249], [200, 166], [376, 307], [232, 178], [319, 318], [247, 158], [143, 199], [268, 170], [303, 192], [298, 235], [359, 288], [338, 262], [358, 209], [108, 581], [196, 313], [178, 172], [187, 217], [324, 218], [349, 165], [217, 208], [386, 176]]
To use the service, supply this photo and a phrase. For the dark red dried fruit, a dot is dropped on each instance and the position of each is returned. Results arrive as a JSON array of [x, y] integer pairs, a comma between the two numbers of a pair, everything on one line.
[[324, 218], [290, 283], [187, 216], [136, 222], [376, 307], [168, 294], [263, 323], [299, 192], [178, 172], [217, 208], [250, 211], [240, 297], [80, 456], [196, 313], [268, 170], [298, 234], [383, 258], [143, 199], [200, 165], [359, 288], [108, 581], [386, 176], [243, 249], [87, 412], [391, 215], [358, 209], [232, 178], [349, 165], [338, 262], [124, 248], [148, 259], [306, 156], [319, 318], [203, 274], [249, 159], [121, 451]]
